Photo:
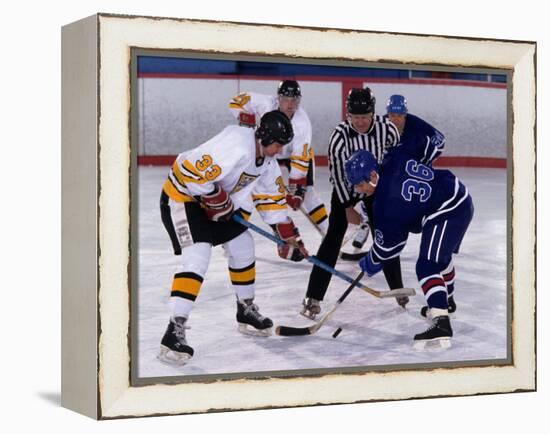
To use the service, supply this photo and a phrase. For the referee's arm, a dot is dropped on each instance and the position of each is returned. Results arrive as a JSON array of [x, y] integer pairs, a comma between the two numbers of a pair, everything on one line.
[[392, 137], [336, 156]]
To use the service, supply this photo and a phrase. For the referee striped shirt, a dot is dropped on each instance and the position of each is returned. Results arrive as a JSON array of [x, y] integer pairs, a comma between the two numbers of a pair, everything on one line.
[[345, 140]]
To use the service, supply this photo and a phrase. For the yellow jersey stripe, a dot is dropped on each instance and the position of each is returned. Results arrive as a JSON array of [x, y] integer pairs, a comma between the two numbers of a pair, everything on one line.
[[274, 198], [299, 167], [183, 178], [270, 207], [297, 158], [190, 168], [174, 194], [246, 215]]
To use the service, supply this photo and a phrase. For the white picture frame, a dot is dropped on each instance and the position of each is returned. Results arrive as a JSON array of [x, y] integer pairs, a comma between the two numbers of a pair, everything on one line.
[[96, 215]]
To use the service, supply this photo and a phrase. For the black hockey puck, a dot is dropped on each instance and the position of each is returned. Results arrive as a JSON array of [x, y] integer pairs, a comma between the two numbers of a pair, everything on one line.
[[337, 332]]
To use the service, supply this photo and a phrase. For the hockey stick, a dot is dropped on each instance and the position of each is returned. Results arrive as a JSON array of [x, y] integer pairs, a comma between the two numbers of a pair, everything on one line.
[[399, 292], [306, 214], [355, 256], [303, 331]]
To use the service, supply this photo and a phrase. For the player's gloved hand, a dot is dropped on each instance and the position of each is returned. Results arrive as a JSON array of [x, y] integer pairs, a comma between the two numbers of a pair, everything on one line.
[[294, 248], [368, 265], [296, 192], [247, 119], [217, 205]]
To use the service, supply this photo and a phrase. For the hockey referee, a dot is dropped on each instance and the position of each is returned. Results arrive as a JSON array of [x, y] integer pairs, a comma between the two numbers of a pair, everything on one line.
[[361, 130]]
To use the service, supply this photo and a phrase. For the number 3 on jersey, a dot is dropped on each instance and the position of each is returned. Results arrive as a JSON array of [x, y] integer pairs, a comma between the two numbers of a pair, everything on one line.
[[211, 172], [418, 183]]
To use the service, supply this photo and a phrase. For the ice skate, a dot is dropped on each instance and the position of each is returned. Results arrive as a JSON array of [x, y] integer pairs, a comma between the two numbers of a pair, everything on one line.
[[440, 332], [310, 308], [425, 310], [250, 320], [173, 347]]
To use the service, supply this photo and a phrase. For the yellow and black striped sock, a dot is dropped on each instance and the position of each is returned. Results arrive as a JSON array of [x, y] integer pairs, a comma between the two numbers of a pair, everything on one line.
[[186, 285], [243, 276], [318, 215]]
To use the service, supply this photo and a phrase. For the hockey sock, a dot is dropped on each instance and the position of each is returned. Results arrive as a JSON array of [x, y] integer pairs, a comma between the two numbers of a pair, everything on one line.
[[243, 280], [449, 278], [435, 291]]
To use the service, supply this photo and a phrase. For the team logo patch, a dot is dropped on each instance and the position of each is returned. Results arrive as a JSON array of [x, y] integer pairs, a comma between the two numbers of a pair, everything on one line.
[[379, 237], [244, 180], [437, 139]]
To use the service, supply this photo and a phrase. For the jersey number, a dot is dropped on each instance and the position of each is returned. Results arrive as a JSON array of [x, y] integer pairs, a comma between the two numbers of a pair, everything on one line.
[[211, 172], [418, 183], [279, 181]]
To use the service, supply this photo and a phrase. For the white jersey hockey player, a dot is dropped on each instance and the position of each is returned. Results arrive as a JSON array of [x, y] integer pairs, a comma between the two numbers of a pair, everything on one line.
[[230, 173], [298, 154]]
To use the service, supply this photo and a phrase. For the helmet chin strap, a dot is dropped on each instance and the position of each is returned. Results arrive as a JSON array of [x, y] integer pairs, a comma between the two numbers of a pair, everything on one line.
[[259, 149]]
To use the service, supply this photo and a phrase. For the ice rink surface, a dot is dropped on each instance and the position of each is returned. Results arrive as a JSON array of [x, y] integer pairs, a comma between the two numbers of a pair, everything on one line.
[[376, 332]]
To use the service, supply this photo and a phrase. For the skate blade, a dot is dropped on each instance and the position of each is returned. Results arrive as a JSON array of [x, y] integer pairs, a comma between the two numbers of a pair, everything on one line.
[[247, 329], [432, 344], [166, 355]]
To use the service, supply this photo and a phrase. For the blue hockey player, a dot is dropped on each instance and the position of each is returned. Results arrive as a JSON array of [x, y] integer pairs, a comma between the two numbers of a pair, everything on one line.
[[419, 139], [411, 197]]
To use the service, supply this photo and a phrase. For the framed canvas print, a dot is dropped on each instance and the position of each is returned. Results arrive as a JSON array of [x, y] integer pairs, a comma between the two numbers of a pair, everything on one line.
[[261, 216]]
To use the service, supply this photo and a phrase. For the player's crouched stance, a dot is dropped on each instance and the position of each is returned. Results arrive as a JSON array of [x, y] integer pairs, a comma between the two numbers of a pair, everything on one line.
[[414, 198], [228, 174]]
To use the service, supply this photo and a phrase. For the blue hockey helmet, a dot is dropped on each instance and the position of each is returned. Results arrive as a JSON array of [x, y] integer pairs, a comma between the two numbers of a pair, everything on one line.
[[359, 167], [397, 104]]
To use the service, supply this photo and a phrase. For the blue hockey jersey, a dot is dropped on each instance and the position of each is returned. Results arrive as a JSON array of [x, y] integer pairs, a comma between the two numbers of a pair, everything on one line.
[[421, 140], [408, 195]]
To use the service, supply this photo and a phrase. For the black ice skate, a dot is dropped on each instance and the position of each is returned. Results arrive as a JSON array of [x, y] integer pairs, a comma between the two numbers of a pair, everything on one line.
[[251, 321], [440, 332], [310, 308], [173, 347], [425, 310]]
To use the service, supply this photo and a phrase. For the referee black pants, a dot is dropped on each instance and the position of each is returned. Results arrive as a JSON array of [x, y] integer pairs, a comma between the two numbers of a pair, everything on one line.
[[329, 251]]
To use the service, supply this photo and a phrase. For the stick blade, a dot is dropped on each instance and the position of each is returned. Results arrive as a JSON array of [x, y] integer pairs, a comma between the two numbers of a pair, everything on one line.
[[292, 331], [352, 256], [399, 292]]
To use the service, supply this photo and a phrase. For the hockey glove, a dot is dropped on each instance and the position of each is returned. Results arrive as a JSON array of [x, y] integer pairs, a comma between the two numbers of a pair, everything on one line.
[[247, 119], [294, 248], [296, 192], [217, 205], [369, 265]]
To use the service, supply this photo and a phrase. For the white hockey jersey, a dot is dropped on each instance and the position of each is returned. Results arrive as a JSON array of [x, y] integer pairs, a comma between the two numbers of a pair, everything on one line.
[[229, 160], [299, 150]]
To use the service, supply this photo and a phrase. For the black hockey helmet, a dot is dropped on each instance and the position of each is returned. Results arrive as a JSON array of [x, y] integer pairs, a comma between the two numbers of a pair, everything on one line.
[[289, 88], [360, 101], [274, 127]]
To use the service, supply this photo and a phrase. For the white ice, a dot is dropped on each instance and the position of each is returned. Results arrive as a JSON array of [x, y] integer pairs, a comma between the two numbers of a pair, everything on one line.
[[376, 332]]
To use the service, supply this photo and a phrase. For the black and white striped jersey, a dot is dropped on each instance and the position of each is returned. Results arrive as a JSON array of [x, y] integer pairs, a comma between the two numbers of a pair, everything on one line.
[[345, 140]]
